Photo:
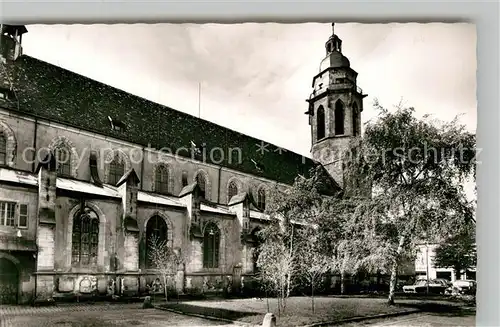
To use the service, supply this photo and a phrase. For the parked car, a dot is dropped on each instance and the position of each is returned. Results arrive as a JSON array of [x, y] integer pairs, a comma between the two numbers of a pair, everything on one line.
[[435, 286], [445, 281], [463, 287]]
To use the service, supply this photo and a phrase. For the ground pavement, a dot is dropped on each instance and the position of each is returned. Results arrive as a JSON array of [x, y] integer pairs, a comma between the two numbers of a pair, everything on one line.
[[96, 315], [421, 320]]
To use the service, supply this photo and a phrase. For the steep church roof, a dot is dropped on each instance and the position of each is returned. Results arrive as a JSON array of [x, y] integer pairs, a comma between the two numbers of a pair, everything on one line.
[[56, 94]]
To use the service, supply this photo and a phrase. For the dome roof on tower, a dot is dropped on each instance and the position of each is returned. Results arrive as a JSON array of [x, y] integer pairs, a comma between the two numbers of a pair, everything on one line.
[[335, 60]]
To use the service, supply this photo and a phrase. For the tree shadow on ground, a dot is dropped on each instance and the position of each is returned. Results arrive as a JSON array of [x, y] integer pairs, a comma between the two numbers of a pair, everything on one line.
[[212, 312], [88, 322]]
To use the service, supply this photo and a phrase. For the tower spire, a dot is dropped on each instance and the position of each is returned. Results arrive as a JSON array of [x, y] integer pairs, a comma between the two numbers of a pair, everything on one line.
[[334, 43]]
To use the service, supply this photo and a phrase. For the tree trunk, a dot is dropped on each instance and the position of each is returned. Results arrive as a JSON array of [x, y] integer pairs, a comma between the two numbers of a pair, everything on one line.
[[312, 295], [342, 282], [392, 283], [283, 298], [165, 287], [289, 277], [278, 295], [458, 273], [288, 282], [378, 280], [394, 271]]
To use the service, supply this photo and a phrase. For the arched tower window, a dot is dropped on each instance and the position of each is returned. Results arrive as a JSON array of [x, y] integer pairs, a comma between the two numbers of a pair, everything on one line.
[[355, 120], [211, 243], [63, 161], [320, 123], [200, 179], [232, 190], [85, 240], [156, 232], [339, 118], [261, 198], [161, 179], [3, 149], [116, 170]]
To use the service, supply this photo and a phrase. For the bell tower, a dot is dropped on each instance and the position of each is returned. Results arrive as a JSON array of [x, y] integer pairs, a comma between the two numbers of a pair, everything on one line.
[[335, 107]]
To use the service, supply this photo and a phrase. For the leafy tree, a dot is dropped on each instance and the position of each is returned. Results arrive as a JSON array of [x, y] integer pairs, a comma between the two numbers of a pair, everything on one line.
[[165, 260], [341, 236], [416, 168], [457, 252], [312, 261]]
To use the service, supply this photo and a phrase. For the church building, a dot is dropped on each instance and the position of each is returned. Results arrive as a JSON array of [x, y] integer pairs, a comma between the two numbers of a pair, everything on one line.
[[89, 174]]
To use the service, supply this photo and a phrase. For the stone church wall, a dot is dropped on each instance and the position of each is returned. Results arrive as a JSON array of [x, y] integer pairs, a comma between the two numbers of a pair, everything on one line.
[[121, 257]]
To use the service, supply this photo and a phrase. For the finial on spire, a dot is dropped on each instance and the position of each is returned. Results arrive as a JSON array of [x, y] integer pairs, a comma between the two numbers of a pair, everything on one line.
[[333, 28]]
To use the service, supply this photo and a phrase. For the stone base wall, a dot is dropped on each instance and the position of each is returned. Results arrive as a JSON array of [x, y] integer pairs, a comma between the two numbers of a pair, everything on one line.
[[68, 285], [122, 285], [50, 287], [206, 283], [81, 284], [45, 288]]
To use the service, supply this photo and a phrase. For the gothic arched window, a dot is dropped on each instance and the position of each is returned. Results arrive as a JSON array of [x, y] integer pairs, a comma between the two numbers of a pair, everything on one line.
[[320, 123], [261, 198], [184, 178], [200, 179], [355, 120], [156, 233], [116, 170], [232, 190], [63, 161], [339, 118], [85, 240], [211, 242], [161, 179], [3, 149]]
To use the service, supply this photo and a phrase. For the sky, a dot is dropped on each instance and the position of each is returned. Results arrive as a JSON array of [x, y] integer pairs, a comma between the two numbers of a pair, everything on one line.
[[255, 77]]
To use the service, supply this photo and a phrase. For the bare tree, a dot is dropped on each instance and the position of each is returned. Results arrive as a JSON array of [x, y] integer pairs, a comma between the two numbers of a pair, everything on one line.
[[313, 263], [300, 203], [165, 260], [276, 263]]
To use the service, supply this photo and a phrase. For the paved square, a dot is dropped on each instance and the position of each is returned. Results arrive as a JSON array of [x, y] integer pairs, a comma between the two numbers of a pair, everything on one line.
[[420, 320], [429, 320], [96, 315]]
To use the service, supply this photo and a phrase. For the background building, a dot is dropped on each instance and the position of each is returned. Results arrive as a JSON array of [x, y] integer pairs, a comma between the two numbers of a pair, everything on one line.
[[424, 263]]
